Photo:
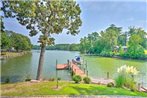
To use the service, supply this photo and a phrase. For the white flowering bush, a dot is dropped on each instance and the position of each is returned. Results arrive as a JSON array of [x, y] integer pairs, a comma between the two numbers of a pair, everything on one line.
[[125, 77], [128, 69]]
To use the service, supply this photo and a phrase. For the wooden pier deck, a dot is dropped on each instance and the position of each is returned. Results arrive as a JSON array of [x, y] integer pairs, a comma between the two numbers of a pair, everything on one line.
[[76, 69], [62, 66], [73, 66]]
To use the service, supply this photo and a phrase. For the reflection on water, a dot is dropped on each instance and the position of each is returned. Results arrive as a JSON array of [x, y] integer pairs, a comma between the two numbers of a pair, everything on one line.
[[99, 66], [19, 68]]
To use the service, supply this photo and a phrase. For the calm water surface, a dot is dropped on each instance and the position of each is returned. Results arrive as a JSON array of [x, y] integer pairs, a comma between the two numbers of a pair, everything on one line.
[[17, 69]]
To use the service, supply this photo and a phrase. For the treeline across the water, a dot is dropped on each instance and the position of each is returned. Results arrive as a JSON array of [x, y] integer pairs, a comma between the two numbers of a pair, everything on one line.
[[114, 42], [11, 41], [69, 47]]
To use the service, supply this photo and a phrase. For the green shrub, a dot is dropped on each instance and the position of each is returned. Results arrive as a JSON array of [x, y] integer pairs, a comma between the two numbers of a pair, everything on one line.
[[86, 80], [107, 53], [77, 78], [130, 84], [28, 79], [52, 79], [7, 80], [59, 78], [110, 84], [135, 52], [120, 80]]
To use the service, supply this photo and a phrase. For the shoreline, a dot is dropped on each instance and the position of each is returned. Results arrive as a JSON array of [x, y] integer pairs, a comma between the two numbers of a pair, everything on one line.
[[115, 56], [7, 55], [118, 57]]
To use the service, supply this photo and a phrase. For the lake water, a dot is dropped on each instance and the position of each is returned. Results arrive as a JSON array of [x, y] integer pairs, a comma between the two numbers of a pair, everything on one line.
[[17, 69]]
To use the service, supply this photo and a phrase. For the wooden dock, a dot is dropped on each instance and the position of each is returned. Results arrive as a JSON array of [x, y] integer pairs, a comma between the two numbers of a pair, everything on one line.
[[62, 66], [73, 66], [78, 71]]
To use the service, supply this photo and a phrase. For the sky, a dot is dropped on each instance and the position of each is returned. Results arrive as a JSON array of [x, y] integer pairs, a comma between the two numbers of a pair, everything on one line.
[[96, 16]]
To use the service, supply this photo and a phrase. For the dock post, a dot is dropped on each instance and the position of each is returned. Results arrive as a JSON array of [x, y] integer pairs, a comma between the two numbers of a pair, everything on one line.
[[139, 86], [56, 74], [107, 75], [68, 64], [83, 64], [86, 66], [87, 73]]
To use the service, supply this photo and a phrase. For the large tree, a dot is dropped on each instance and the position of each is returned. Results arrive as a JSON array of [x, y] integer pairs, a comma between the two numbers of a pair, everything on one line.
[[141, 34], [112, 34], [47, 17]]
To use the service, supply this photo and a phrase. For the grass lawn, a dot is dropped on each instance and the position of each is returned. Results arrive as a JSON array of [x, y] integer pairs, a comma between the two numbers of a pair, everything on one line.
[[65, 88]]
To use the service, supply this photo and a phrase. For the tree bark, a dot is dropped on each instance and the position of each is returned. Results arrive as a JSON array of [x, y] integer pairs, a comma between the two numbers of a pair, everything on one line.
[[41, 60]]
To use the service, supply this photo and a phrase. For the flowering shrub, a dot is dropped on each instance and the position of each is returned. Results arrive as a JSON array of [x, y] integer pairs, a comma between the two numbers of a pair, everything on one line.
[[128, 69], [125, 77]]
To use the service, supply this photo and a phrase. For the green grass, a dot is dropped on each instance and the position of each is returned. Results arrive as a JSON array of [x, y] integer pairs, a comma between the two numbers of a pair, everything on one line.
[[65, 88]]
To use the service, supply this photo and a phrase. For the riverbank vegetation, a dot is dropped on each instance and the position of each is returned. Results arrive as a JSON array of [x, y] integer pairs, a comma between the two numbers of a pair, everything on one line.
[[45, 88], [114, 42], [11, 41], [68, 47], [13, 44]]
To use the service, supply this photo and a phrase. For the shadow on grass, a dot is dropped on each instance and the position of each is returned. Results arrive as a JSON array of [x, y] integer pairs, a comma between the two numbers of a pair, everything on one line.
[[90, 90], [100, 90]]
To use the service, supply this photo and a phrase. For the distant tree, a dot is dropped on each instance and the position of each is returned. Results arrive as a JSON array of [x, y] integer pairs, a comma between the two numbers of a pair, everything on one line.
[[5, 40], [141, 34], [122, 40], [36, 47], [111, 35], [45, 16], [20, 42], [74, 47], [84, 45], [136, 43], [135, 40]]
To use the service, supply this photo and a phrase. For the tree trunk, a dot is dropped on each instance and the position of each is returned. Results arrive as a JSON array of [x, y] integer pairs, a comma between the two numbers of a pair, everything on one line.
[[41, 60]]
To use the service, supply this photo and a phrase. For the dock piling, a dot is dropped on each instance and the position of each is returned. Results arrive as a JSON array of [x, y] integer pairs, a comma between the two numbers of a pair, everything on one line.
[[56, 74], [107, 75], [68, 63], [87, 73]]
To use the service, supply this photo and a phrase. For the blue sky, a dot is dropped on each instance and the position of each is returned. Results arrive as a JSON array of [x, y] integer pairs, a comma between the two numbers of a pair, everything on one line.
[[97, 15]]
